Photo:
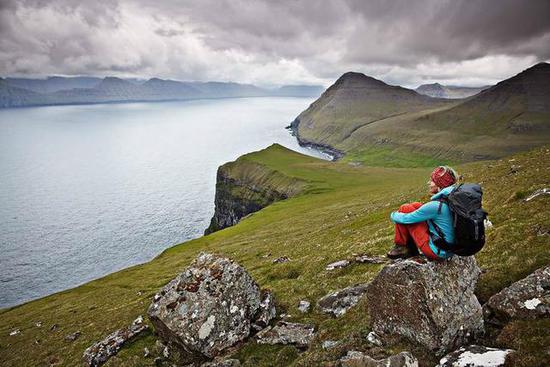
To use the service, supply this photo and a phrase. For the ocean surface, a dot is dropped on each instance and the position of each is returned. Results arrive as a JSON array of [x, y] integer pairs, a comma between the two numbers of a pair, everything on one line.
[[88, 190]]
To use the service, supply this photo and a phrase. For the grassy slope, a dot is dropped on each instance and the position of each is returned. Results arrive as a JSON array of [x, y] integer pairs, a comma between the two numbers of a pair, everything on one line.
[[345, 210]]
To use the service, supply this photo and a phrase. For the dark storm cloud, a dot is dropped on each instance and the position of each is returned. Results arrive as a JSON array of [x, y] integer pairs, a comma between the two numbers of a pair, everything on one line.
[[403, 42]]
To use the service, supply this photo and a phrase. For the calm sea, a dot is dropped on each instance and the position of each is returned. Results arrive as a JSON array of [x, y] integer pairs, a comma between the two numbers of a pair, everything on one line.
[[88, 190]]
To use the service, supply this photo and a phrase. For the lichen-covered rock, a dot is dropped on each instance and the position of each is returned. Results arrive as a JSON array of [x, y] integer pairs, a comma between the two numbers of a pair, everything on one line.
[[266, 312], [339, 302], [359, 359], [431, 303], [100, 352], [304, 306], [223, 363], [209, 307], [287, 333], [475, 356], [338, 265], [528, 298]]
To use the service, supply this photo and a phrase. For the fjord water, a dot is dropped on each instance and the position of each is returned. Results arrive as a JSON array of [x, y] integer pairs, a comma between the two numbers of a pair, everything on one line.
[[88, 190]]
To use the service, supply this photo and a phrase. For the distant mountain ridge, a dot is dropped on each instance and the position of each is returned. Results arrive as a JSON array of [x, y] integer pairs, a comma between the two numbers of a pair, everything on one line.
[[437, 90], [21, 92], [361, 116]]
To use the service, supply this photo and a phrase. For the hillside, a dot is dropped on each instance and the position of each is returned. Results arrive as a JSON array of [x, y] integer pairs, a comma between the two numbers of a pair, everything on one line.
[[511, 116], [20, 92], [344, 210], [437, 90]]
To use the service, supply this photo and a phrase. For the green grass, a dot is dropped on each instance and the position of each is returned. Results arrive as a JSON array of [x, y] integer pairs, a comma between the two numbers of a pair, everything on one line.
[[343, 210]]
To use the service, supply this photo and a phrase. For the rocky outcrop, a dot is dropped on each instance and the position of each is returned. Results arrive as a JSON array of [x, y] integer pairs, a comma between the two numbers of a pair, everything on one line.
[[100, 352], [338, 303], [359, 359], [244, 187], [528, 298], [299, 335], [209, 307], [431, 303], [475, 356]]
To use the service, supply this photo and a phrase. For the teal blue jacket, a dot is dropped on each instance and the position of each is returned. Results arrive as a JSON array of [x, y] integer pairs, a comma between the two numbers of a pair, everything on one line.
[[429, 212]]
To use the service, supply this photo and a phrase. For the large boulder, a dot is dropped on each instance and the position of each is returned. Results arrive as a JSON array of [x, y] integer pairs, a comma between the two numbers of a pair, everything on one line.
[[430, 303], [528, 298], [209, 307]]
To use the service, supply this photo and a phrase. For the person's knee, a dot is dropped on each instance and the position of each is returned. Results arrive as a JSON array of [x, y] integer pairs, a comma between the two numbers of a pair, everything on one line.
[[405, 208]]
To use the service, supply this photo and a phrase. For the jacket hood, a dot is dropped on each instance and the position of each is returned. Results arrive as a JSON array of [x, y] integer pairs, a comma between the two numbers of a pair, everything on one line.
[[444, 192]]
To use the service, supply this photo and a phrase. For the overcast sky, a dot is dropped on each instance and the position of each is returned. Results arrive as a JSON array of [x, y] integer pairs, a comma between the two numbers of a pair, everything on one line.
[[276, 42]]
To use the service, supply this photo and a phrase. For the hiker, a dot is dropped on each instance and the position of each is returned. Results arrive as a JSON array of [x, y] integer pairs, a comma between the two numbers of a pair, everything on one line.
[[420, 226]]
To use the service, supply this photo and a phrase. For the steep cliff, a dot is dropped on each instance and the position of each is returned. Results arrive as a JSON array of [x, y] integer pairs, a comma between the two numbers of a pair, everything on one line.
[[245, 186]]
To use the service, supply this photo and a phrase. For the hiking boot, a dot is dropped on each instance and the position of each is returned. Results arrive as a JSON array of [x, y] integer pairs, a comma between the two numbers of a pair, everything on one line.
[[399, 252]]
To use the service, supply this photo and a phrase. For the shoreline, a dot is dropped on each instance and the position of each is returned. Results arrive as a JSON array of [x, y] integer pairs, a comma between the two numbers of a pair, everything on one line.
[[332, 152]]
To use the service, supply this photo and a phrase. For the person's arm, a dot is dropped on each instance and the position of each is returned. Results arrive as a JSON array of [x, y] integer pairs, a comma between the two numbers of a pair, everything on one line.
[[424, 213]]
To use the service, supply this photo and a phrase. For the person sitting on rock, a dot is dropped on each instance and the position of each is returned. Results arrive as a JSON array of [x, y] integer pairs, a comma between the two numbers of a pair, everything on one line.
[[414, 222]]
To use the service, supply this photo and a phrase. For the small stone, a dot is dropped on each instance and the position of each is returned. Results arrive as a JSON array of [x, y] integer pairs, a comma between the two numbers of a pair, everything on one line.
[[329, 344], [287, 333], [338, 303], [374, 339], [38, 324], [15, 332], [146, 352], [544, 191], [304, 306], [54, 327], [223, 363], [488, 224], [73, 336], [475, 356], [337, 265], [280, 260], [166, 352], [267, 311], [362, 259], [359, 359]]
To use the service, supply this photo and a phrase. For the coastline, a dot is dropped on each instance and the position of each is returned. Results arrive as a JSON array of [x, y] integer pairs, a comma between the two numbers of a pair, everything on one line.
[[332, 152]]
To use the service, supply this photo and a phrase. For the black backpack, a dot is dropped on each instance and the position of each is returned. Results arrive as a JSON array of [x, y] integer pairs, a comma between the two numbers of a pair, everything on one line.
[[468, 220]]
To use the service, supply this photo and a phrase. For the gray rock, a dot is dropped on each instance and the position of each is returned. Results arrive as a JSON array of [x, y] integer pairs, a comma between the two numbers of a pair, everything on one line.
[[100, 352], [359, 359], [544, 191], [475, 356], [374, 339], [528, 298], [329, 344], [209, 307], [287, 333], [73, 336], [266, 312], [338, 265], [431, 303], [304, 306], [223, 363], [362, 259], [339, 302], [280, 260]]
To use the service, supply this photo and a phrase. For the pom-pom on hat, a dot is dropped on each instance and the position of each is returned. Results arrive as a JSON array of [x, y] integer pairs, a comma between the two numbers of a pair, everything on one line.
[[444, 176]]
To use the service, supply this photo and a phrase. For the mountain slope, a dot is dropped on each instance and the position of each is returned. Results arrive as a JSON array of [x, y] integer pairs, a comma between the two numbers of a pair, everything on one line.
[[15, 97], [512, 116], [437, 90], [354, 101], [345, 211]]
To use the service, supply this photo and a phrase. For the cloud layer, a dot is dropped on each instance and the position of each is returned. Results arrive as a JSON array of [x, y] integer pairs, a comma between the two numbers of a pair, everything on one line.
[[275, 42]]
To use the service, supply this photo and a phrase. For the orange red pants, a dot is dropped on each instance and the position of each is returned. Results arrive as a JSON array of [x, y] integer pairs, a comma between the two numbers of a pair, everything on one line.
[[416, 233]]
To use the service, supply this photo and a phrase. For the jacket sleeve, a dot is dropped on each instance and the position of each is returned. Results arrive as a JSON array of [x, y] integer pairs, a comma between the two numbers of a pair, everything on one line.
[[424, 213]]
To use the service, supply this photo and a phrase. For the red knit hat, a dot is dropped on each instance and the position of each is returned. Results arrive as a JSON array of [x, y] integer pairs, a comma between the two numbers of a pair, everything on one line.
[[443, 176]]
